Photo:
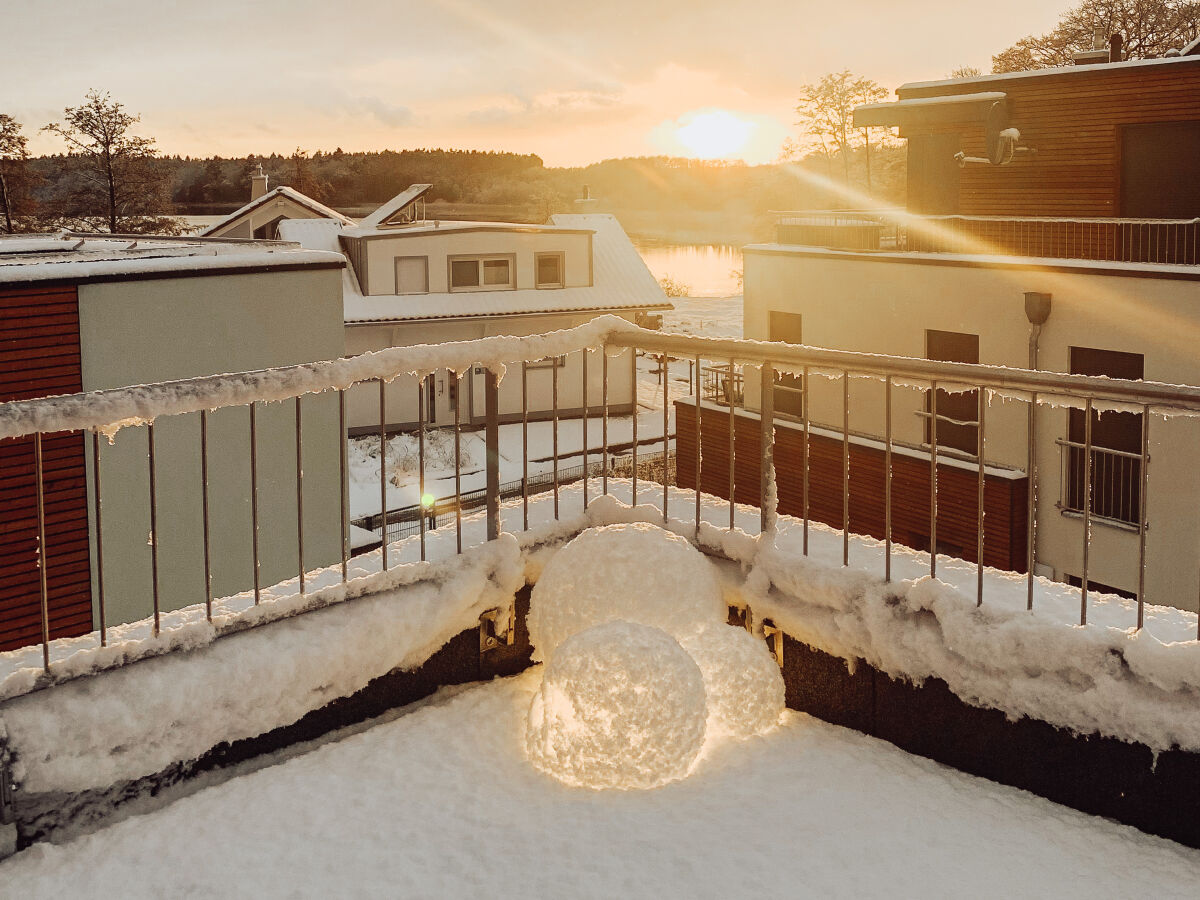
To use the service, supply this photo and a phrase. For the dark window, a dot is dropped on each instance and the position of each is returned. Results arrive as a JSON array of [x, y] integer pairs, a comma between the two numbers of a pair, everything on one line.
[[957, 413], [464, 273], [497, 271], [549, 270], [1158, 170], [1100, 587], [789, 389], [1116, 443], [933, 173]]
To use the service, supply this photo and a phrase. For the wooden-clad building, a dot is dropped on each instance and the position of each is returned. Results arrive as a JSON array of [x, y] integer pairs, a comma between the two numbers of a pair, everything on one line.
[[1114, 140]]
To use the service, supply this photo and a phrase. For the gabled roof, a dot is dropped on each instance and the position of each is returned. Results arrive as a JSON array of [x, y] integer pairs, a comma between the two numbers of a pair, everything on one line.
[[319, 209], [395, 206]]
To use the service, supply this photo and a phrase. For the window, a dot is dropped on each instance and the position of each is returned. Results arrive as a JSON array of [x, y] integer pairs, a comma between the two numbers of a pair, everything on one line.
[[550, 362], [549, 268], [789, 389], [1116, 471], [957, 413], [412, 274], [482, 273]]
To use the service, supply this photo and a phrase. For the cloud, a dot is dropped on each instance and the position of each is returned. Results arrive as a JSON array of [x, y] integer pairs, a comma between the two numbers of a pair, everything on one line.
[[388, 114]]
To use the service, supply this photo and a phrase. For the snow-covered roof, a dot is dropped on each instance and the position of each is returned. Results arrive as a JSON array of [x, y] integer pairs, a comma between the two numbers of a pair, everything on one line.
[[952, 107], [406, 197], [320, 209], [620, 281], [1044, 73], [79, 257]]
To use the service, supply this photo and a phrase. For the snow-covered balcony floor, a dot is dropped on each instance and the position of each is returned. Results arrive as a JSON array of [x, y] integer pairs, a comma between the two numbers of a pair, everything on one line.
[[442, 803]]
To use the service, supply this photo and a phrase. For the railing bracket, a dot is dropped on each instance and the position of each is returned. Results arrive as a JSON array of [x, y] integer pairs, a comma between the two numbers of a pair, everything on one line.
[[496, 629], [774, 637]]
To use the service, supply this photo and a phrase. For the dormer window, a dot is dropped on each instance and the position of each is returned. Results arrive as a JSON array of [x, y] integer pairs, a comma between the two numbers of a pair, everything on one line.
[[549, 270], [482, 273]]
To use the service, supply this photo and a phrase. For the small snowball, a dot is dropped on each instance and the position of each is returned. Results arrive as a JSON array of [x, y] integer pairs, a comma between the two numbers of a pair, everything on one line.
[[633, 572], [621, 705], [742, 680]]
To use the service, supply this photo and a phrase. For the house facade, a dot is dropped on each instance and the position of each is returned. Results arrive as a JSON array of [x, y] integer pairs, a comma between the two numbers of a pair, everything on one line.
[[1052, 224], [87, 313], [412, 280]]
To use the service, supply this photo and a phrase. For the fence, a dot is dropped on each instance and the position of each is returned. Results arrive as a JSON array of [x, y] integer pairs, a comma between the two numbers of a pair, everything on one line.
[[32, 422], [1161, 241]]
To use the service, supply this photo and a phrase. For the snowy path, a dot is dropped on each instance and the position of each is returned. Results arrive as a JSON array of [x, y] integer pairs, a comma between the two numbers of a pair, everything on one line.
[[442, 803]]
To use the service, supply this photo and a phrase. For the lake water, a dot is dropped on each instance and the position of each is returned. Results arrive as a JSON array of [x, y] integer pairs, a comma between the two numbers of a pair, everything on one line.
[[705, 270]]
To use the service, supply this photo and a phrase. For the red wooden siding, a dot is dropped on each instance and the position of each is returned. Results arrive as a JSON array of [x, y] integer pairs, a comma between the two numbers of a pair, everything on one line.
[[1004, 498], [1074, 120], [39, 356]]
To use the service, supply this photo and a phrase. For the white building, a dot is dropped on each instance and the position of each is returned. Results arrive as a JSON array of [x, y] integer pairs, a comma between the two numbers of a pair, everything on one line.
[[412, 280]]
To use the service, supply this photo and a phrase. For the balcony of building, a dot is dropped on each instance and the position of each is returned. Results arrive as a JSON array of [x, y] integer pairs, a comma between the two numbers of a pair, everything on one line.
[[872, 629]]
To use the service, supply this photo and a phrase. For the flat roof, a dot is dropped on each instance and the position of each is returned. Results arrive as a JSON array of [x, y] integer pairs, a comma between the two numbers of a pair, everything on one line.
[[1092, 69], [75, 257]]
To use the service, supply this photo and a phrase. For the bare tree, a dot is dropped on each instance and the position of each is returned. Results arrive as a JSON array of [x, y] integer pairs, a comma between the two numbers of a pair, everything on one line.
[[305, 180], [826, 112], [115, 171], [13, 173], [1149, 28], [965, 72]]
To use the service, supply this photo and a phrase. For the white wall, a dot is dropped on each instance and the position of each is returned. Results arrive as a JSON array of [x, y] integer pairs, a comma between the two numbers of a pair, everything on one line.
[[362, 403], [146, 331], [438, 245], [884, 305]]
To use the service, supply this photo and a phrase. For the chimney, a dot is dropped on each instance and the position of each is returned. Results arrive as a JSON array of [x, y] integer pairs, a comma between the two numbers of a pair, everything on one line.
[[1099, 52], [258, 183], [587, 203], [1115, 43]]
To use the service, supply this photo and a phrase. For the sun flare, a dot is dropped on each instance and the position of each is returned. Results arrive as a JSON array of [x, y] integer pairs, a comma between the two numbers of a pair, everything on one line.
[[714, 134]]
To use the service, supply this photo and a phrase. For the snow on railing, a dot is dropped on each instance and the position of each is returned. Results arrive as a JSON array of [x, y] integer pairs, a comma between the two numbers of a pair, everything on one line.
[[545, 439]]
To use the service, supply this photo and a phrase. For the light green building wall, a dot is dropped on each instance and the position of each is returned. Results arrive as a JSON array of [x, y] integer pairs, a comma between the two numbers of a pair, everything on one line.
[[136, 332]]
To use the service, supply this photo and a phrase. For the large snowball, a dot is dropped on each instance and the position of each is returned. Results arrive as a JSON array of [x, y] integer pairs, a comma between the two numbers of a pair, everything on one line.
[[633, 572], [741, 678], [621, 705]]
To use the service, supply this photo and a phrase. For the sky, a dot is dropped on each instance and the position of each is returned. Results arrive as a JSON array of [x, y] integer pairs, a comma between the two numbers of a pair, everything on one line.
[[573, 82]]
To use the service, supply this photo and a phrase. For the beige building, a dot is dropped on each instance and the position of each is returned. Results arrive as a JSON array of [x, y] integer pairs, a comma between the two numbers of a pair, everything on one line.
[[412, 280], [1023, 245]]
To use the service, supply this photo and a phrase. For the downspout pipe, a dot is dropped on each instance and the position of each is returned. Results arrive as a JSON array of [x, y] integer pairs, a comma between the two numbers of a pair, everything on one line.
[[1037, 311]]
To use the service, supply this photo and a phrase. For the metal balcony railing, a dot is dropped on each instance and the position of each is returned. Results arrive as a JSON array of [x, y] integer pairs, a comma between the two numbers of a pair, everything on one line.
[[1111, 478], [1159, 241], [603, 343]]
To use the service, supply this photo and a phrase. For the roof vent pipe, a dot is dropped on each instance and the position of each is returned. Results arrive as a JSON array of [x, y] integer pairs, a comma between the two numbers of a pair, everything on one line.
[[1115, 43]]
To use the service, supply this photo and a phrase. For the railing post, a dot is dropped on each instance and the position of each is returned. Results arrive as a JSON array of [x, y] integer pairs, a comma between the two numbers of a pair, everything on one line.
[[1142, 476], [766, 485], [1031, 500], [933, 422], [492, 440]]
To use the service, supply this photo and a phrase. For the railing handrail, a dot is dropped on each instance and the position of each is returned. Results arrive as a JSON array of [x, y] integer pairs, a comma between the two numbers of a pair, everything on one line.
[[140, 403], [114, 408], [1068, 390]]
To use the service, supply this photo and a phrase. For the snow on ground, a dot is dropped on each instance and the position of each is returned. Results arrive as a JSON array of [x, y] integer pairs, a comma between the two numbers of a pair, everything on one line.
[[442, 802], [713, 317]]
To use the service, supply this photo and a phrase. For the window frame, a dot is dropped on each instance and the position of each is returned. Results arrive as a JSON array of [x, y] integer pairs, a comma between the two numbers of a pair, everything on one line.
[[396, 275], [479, 259], [561, 256]]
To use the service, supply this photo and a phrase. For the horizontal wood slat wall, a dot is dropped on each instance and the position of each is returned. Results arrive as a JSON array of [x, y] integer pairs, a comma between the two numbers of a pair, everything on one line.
[[1074, 121], [1004, 498], [39, 356]]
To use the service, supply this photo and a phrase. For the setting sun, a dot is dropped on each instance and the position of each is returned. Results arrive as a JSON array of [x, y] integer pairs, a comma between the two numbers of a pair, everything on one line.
[[714, 134]]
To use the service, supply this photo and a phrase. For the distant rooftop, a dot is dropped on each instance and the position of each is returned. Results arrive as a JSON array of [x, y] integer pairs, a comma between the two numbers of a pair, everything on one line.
[[72, 256], [1190, 57]]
